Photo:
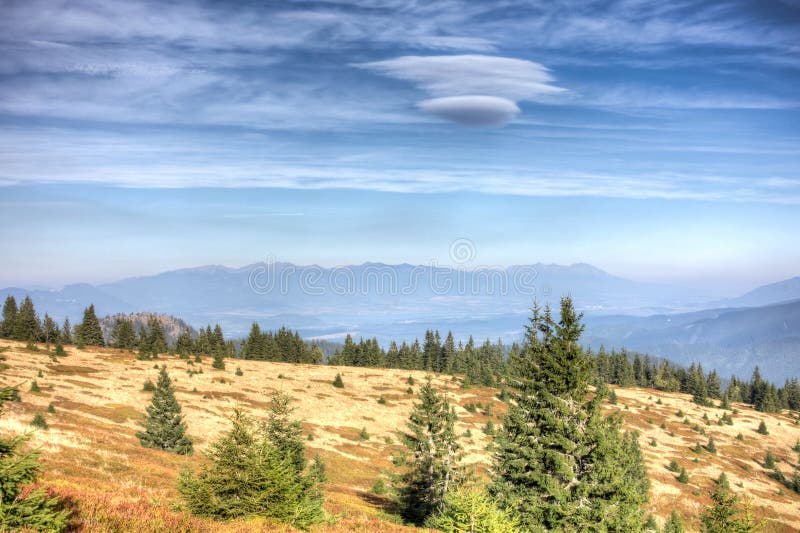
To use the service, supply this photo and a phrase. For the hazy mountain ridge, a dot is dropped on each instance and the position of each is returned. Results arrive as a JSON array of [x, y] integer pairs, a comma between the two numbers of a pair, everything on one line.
[[731, 340], [401, 301]]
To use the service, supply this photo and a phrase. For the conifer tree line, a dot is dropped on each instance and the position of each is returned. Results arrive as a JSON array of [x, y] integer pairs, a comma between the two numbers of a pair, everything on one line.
[[282, 346], [486, 364]]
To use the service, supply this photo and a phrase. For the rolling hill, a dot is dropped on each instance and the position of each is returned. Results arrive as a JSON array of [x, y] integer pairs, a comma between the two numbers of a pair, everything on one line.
[[92, 457]]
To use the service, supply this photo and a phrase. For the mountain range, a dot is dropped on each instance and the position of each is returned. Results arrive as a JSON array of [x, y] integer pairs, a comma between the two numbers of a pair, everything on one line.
[[401, 301]]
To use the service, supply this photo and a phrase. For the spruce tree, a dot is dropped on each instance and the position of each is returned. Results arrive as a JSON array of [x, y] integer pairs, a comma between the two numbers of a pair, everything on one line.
[[726, 515], [184, 345], [66, 332], [90, 333], [435, 454], [35, 511], [9, 317], [156, 339], [50, 331], [164, 428], [560, 464], [27, 327], [123, 336], [249, 475], [674, 523], [219, 358]]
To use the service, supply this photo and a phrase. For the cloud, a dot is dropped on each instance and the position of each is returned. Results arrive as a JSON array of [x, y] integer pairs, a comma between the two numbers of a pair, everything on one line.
[[481, 111], [473, 90], [505, 77]]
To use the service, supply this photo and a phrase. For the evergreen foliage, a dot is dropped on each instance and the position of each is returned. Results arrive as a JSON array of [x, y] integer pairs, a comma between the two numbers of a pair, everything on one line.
[[27, 327], [164, 428], [762, 429], [123, 335], [219, 358], [89, 332], [560, 464], [19, 509], [338, 382], [470, 509], [674, 523], [249, 475], [9, 322], [435, 453], [725, 515]]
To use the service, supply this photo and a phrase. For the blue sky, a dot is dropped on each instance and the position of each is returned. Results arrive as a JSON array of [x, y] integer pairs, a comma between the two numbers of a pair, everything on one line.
[[657, 140]]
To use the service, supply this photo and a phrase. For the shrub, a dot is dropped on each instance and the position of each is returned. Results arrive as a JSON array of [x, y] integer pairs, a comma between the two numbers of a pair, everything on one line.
[[35, 386], [762, 429], [379, 487], [410, 380], [711, 446], [471, 407], [653, 443], [39, 421], [256, 470], [674, 523], [363, 435], [239, 371], [683, 477], [739, 437], [673, 466], [60, 350], [382, 400], [612, 397], [769, 460], [337, 382], [148, 386], [471, 509], [679, 414], [51, 409], [39, 374], [410, 391], [488, 429]]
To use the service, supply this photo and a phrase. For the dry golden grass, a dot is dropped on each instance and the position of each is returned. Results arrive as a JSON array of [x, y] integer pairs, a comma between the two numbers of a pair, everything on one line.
[[92, 457]]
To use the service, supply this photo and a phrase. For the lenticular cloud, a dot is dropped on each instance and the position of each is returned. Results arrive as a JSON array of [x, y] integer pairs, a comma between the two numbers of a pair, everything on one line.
[[472, 90], [472, 110]]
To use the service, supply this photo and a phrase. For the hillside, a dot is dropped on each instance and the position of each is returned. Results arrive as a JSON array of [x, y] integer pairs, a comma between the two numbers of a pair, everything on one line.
[[171, 325], [732, 341], [92, 456]]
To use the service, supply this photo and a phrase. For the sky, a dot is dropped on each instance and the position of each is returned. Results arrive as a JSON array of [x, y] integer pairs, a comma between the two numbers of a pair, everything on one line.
[[659, 141]]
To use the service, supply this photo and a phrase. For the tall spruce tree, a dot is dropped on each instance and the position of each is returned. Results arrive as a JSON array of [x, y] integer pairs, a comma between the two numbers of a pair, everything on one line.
[[123, 335], [560, 464], [66, 332], [9, 317], [435, 454], [164, 428], [90, 333], [219, 357], [31, 511], [27, 327]]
